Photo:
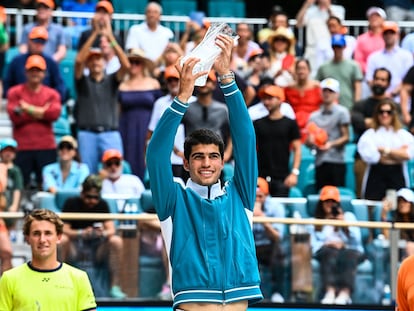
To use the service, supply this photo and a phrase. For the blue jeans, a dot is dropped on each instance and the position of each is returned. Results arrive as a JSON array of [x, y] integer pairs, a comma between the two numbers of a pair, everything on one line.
[[92, 145]]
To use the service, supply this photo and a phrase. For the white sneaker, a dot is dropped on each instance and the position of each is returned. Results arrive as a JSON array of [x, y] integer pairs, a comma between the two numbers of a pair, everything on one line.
[[276, 297], [328, 299], [343, 299]]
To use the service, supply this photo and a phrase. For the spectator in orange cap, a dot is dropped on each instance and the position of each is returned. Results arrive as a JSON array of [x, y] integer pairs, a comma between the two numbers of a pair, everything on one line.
[[276, 136], [267, 238], [117, 182], [102, 16], [55, 46], [32, 108], [16, 72], [168, 58], [338, 249], [97, 110]]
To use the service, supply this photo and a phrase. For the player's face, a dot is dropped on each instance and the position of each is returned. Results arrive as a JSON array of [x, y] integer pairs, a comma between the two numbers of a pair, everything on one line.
[[43, 239], [205, 164]]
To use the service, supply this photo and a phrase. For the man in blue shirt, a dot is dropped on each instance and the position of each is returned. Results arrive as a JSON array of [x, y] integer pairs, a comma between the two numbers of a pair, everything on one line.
[[56, 45], [16, 73]]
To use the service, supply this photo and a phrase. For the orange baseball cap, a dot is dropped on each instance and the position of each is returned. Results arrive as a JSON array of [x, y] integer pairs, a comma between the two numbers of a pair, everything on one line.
[[255, 52], [171, 72], [48, 3], [390, 26], [106, 5], [212, 75], [263, 185], [38, 32], [111, 154], [273, 91], [330, 193], [35, 61]]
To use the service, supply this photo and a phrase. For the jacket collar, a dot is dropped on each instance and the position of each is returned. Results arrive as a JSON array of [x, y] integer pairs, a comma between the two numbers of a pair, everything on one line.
[[206, 192]]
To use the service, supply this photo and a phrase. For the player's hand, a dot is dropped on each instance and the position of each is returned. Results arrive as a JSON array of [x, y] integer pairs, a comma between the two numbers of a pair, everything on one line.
[[223, 61], [187, 78]]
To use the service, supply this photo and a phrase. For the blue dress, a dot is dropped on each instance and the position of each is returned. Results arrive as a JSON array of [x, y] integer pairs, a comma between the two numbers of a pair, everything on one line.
[[136, 109]]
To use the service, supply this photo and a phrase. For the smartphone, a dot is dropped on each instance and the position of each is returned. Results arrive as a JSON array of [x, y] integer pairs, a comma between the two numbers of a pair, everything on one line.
[[391, 196]]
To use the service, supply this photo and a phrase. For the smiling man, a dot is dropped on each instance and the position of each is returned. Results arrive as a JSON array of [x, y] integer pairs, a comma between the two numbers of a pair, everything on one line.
[[207, 226], [44, 283]]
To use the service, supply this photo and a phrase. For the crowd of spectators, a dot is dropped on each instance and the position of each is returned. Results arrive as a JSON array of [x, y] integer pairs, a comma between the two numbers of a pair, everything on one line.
[[340, 90]]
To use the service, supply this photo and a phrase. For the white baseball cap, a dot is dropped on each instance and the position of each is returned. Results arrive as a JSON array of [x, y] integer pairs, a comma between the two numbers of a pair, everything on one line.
[[376, 10], [331, 84], [406, 194]]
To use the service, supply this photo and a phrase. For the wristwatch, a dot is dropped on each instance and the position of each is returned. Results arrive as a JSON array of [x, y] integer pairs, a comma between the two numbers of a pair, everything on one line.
[[229, 75], [295, 171]]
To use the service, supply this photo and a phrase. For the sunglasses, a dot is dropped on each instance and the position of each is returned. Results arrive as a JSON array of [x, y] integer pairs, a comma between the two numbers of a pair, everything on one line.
[[65, 146], [283, 39], [38, 40], [388, 112], [135, 62], [169, 80], [92, 197], [111, 163]]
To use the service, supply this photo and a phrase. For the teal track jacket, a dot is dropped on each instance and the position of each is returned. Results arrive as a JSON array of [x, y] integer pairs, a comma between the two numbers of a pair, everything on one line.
[[209, 241]]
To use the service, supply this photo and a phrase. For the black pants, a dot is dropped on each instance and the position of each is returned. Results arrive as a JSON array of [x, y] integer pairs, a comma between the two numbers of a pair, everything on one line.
[[33, 161], [332, 174], [272, 259], [277, 188], [338, 266], [382, 177]]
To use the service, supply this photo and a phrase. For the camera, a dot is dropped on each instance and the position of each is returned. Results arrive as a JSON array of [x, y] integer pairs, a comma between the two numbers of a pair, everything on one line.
[[335, 210]]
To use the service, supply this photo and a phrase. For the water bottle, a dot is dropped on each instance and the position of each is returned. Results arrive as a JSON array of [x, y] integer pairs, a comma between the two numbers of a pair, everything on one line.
[[386, 295]]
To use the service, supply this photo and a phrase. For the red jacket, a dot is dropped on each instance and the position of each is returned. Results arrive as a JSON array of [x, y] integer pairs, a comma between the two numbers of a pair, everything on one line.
[[30, 133]]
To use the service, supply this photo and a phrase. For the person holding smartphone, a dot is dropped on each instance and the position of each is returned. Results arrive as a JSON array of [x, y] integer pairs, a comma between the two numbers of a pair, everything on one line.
[[97, 241], [339, 250]]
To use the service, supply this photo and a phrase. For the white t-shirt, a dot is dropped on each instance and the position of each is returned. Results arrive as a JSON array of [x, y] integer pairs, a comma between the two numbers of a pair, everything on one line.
[[259, 111], [126, 185], [153, 43], [160, 105]]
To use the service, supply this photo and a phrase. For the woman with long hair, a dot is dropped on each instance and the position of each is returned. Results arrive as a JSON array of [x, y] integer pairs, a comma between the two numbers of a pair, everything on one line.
[[339, 250], [137, 95], [386, 148], [404, 212], [304, 94]]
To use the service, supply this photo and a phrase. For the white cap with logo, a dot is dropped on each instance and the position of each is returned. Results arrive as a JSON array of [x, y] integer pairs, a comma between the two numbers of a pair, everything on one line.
[[330, 84]]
